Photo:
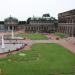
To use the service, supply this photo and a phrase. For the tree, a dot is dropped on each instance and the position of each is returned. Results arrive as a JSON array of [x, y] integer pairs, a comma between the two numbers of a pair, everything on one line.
[[28, 20], [53, 19]]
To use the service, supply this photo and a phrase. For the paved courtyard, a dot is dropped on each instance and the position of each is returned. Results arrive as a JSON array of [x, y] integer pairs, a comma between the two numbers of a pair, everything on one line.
[[68, 43]]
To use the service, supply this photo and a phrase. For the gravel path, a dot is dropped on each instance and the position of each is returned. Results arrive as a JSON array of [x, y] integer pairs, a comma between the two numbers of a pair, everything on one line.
[[68, 43]]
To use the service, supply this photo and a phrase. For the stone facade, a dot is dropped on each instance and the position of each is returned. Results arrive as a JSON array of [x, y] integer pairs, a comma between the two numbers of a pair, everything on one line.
[[67, 22], [40, 25], [11, 23]]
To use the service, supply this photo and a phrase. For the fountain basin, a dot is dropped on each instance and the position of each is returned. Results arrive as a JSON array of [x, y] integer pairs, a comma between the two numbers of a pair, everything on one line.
[[11, 47]]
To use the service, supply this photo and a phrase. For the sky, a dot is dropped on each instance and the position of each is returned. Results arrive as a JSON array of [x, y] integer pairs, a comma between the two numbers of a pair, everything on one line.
[[22, 9]]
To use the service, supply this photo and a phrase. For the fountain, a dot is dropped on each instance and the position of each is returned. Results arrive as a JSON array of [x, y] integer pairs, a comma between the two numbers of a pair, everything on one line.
[[11, 45], [3, 45], [13, 37]]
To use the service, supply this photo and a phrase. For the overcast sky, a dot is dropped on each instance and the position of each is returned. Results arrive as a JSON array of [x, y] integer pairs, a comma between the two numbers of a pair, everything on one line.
[[22, 9]]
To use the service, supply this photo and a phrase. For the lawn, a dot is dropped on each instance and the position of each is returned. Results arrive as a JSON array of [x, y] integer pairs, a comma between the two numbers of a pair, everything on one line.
[[33, 36], [42, 59], [61, 35]]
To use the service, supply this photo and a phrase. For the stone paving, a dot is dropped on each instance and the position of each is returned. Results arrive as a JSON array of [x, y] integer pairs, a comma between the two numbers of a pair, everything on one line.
[[42, 41], [68, 43]]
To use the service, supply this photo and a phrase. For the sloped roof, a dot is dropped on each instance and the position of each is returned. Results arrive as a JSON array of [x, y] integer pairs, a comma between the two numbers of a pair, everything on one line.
[[11, 18]]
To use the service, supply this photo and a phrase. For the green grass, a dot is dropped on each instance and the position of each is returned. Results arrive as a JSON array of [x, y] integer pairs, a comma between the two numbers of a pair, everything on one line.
[[61, 35], [42, 59], [33, 36]]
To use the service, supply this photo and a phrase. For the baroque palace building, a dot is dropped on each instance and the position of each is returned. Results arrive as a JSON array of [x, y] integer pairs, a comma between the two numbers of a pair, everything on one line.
[[44, 24], [66, 22], [11, 23]]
